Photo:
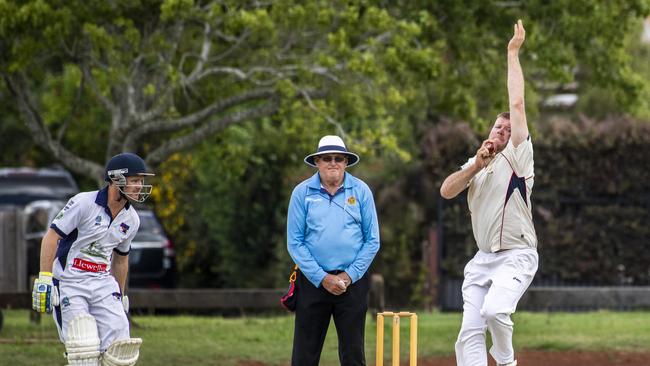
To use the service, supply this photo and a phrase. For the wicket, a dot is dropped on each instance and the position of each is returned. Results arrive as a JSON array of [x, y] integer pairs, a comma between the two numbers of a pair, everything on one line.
[[413, 352]]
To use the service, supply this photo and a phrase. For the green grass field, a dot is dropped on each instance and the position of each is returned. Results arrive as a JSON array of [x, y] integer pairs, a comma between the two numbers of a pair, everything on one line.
[[203, 340]]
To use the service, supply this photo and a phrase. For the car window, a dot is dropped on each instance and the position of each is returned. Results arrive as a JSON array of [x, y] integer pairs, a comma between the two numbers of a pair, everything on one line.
[[22, 188], [38, 215], [22, 183], [37, 221], [150, 228]]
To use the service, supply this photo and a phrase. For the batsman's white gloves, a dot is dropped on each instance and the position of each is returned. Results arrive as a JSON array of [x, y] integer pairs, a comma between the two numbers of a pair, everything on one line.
[[44, 296], [125, 303]]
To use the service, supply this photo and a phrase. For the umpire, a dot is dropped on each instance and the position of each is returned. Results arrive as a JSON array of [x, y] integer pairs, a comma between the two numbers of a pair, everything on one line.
[[333, 236]]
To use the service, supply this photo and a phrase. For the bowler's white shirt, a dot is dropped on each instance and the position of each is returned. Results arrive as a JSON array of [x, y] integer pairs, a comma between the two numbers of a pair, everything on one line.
[[499, 200]]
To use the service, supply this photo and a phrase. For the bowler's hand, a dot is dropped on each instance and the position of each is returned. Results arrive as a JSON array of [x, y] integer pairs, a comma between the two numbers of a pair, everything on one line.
[[334, 284], [518, 37], [485, 154]]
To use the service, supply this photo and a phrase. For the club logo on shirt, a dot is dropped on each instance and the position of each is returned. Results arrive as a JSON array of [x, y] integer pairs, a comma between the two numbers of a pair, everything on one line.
[[94, 250], [65, 301], [98, 220], [124, 228], [352, 201]]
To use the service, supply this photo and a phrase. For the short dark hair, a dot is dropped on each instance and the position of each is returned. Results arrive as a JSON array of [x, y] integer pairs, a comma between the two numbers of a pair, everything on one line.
[[505, 115]]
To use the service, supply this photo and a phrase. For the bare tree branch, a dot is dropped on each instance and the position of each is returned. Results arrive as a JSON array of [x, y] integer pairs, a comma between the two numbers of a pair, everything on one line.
[[16, 85], [275, 73], [380, 40], [73, 110], [231, 49], [324, 71], [328, 118], [107, 103], [205, 53], [176, 35], [133, 99], [160, 100], [160, 154], [219, 70], [196, 117], [217, 107], [225, 37]]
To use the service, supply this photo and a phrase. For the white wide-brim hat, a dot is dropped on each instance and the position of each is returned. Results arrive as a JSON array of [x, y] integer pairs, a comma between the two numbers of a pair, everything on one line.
[[332, 144]]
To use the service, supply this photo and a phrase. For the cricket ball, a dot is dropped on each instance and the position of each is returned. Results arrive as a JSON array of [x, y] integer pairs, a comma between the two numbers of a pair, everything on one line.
[[490, 146]]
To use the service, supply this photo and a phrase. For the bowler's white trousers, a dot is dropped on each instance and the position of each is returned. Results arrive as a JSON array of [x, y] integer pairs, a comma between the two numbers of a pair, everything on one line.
[[494, 283]]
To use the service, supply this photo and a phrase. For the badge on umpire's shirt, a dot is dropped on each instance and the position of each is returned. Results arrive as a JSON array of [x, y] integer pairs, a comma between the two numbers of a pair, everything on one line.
[[352, 201]]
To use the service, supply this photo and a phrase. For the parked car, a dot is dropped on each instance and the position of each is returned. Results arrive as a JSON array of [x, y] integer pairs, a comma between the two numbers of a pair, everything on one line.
[[38, 216], [37, 195], [20, 186], [42, 192], [152, 261]]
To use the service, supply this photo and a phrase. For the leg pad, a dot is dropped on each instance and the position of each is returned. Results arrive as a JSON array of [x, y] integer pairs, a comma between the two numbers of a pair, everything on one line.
[[122, 353], [82, 341]]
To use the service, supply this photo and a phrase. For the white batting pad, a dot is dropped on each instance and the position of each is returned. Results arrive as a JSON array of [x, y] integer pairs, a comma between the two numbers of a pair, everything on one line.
[[82, 341], [122, 353]]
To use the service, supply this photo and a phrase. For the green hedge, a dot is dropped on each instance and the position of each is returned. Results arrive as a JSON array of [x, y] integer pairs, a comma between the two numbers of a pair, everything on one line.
[[591, 201]]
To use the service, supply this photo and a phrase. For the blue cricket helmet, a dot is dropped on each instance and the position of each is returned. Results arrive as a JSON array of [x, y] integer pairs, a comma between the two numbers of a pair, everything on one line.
[[127, 165]]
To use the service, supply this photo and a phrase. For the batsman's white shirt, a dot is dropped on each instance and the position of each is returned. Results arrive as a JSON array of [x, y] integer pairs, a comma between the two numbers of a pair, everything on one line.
[[90, 237], [499, 200]]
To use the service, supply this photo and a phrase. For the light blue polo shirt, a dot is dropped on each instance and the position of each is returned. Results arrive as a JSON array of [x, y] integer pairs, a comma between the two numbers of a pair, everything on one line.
[[328, 233]]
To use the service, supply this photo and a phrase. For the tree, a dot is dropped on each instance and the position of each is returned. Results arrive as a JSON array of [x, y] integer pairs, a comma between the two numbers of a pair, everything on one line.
[[160, 77], [92, 79], [226, 202]]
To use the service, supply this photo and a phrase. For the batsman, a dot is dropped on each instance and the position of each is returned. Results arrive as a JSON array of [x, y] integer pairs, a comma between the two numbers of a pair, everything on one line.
[[500, 183], [84, 265]]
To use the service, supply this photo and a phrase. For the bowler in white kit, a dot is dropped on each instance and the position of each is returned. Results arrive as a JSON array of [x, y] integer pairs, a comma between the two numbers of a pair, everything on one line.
[[84, 266], [499, 180]]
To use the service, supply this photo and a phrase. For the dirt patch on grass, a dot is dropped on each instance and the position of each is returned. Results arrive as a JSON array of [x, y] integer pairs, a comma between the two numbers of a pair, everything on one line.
[[250, 363], [536, 358], [560, 358]]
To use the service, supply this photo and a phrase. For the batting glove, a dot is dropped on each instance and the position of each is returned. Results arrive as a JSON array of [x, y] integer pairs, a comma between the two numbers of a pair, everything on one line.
[[44, 296]]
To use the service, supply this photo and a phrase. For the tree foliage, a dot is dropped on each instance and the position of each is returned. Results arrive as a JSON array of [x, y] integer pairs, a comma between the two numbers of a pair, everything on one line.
[[231, 196], [93, 79], [224, 98]]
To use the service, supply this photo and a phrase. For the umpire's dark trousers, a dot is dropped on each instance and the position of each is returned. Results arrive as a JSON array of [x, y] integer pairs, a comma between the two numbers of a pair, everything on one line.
[[315, 307]]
